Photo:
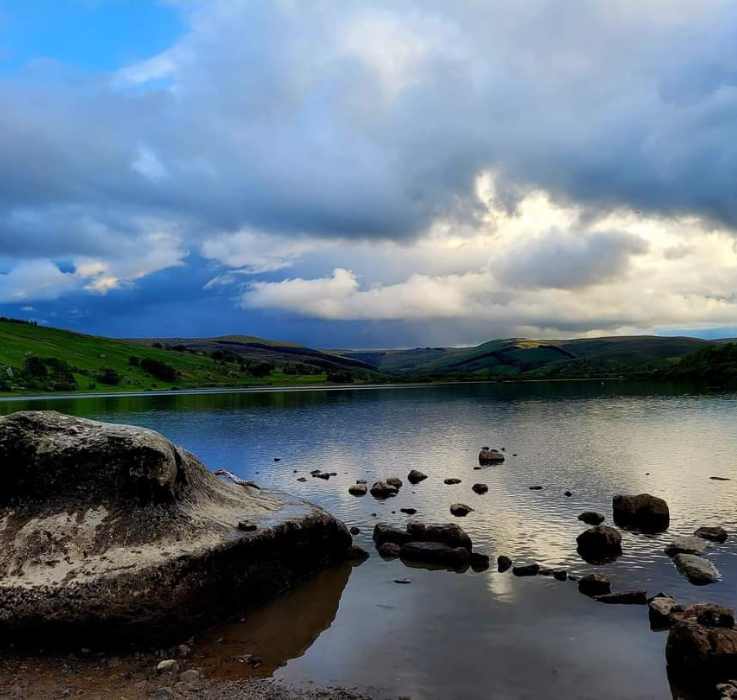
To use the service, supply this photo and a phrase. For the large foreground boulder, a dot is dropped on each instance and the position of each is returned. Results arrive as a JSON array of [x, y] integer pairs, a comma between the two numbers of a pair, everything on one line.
[[702, 647], [643, 512], [111, 533]]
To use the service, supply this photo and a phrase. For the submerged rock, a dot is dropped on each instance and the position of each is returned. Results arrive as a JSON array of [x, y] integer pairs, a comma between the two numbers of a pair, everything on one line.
[[436, 553], [643, 511], [623, 598], [113, 533], [595, 584], [480, 489], [698, 571], [686, 545], [383, 489], [715, 534], [357, 489], [591, 517], [600, 544], [460, 510], [487, 456], [415, 477]]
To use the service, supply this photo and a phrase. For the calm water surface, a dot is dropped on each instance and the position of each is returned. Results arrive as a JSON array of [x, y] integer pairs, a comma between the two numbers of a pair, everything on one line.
[[471, 635]]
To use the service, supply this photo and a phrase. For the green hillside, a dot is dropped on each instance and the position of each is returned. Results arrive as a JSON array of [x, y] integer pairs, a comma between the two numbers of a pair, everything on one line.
[[38, 359]]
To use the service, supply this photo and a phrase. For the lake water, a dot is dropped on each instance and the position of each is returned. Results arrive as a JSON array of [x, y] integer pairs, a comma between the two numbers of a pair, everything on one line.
[[470, 635]]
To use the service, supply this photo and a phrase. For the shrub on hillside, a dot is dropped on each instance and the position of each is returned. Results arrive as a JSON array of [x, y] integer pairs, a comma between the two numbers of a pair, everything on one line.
[[108, 376], [159, 369]]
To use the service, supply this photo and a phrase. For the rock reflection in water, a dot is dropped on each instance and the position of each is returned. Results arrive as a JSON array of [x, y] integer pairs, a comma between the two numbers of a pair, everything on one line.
[[270, 636]]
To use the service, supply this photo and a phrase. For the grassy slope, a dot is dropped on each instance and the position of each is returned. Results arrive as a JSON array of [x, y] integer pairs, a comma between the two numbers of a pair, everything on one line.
[[92, 354]]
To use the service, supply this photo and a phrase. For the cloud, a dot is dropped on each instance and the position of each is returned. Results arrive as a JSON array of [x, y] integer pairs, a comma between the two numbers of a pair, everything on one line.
[[38, 280], [569, 260]]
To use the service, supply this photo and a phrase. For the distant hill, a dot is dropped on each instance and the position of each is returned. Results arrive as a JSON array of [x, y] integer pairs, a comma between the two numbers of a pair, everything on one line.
[[39, 359], [541, 358]]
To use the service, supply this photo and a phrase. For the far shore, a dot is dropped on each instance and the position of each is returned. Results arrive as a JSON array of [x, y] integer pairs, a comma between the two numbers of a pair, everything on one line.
[[306, 388]]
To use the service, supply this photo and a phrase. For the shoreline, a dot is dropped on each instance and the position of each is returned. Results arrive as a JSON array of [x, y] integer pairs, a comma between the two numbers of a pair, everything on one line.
[[306, 388]]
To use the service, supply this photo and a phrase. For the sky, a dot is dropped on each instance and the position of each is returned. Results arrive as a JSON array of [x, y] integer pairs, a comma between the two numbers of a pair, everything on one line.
[[369, 173]]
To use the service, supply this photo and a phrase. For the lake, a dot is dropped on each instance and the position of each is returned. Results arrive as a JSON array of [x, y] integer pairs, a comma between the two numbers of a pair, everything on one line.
[[470, 635]]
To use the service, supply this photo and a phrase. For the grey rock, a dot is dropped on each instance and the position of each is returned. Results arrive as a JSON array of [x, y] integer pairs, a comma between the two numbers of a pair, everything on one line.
[[395, 482], [357, 489], [190, 676], [698, 571], [659, 612], [149, 534], [686, 545], [167, 666], [415, 477]]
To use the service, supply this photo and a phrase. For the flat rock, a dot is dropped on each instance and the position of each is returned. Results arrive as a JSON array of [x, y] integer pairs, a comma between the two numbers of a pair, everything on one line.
[[480, 488], [436, 553], [643, 511], [143, 538], [623, 598], [714, 534], [698, 571], [591, 517], [460, 510], [526, 570], [451, 481], [686, 545], [358, 489], [595, 584], [383, 532], [448, 534], [415, 477]]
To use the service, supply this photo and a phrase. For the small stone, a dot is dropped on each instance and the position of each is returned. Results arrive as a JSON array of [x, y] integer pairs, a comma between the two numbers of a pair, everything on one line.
[[403, 581], [277, 459], [536, 488], [599, 544], [190, 676], [460, 510], [560, 574], [526, 570], [415, 477], [358, 489], [361, 481], [488, 456], [408, 511], [591, 517], [595, 584], [395, 482], [301, 478], [184, 650], [480, 488], [389, 550], [355, 530], [503, 563], [479, 561], [567, 493], [383, 489], [451, 481], [167, 666], [247, 526]]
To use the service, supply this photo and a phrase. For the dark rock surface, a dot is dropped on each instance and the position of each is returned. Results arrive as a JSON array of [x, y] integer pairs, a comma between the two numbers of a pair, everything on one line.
[[591, 517], [714, 534], [384, 532], [479, 562], [448, 534], [415, 477], [436, 553], [460, 510], [111, 532], [600, 544], [526, 570], [686, 545], [480, 488], [595, 584], [357, 490], [503, 563], [389, 550], [623, 598], [395, 482], [487, 456], [383, 489], [451, 481], [643, 512], [698, 571]]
